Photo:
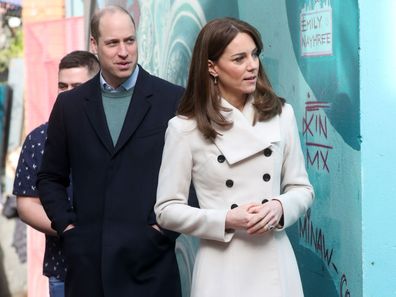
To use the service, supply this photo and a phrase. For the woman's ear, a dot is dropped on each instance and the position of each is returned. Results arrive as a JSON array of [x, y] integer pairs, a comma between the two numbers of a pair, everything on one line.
[[211, 68]]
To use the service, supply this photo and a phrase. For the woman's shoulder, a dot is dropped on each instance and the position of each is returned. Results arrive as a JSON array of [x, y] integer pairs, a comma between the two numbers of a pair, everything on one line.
[[287, 112], [287, 108], [182, 124]]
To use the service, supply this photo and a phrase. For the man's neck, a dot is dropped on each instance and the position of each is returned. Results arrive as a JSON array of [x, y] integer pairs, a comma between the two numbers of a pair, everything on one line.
[[125, 84]]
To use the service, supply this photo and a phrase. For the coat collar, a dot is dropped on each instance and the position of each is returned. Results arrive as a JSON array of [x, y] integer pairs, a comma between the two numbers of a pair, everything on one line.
[[243, 139], [137, 110]]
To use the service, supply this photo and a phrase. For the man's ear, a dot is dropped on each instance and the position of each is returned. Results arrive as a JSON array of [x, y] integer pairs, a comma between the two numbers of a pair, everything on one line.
[[94, 45], [212, 68]]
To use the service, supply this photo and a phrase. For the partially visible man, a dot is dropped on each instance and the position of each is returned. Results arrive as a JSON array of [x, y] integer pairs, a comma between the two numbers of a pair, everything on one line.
[[109, 133], [74, 69]]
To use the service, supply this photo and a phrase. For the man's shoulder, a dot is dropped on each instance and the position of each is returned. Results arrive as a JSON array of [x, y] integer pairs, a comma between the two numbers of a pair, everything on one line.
[[39, 130], [29, 162], [37, 134], [160, 84]]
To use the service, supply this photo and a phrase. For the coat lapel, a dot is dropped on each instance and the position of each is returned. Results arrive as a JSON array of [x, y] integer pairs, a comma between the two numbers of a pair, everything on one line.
[[243, 139], [95, 112], [137, 110]]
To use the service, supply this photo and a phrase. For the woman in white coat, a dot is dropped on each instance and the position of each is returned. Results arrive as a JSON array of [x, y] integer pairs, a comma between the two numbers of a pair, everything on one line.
[[238, 142]]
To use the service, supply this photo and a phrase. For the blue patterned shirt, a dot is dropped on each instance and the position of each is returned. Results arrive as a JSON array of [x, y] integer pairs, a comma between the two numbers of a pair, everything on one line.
[[25, 185]]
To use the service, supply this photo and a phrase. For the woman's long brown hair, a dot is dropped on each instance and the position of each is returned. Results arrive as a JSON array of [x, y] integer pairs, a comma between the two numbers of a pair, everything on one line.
[[201, 99]]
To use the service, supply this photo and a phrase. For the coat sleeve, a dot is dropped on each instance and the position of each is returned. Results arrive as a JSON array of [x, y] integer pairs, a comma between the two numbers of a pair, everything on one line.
[[172, 209], [53, 176], [296, 191]]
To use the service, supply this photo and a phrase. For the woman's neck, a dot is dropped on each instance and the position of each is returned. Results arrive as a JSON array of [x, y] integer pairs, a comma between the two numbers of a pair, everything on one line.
[[238, 103]]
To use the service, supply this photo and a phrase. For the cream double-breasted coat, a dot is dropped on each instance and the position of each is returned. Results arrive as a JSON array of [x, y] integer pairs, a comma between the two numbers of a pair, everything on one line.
[[245, 164]]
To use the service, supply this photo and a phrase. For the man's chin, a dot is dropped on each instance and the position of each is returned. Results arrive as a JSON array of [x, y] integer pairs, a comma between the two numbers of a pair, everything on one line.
[[124, 74]]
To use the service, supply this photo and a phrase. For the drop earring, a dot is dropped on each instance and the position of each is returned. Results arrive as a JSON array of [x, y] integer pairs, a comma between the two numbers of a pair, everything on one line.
[[215, 80]]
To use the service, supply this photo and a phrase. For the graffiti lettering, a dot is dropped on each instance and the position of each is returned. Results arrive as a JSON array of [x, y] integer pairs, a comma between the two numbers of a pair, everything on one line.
[[316, 40], [315, 125], [316, 32], [322, 160], [320, 124], [310, 23], [315, 238], [311, 161], [344, 291], [307, 125]]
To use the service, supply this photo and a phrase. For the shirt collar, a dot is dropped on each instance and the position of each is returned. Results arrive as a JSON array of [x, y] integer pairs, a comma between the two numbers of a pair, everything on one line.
[[125, 86]]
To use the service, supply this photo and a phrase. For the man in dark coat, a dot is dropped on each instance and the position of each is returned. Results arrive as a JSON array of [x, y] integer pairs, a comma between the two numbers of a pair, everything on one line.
[[74, 69], [108, 134]]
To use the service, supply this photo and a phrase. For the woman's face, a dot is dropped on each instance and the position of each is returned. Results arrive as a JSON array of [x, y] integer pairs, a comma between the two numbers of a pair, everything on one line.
[[237, 69]]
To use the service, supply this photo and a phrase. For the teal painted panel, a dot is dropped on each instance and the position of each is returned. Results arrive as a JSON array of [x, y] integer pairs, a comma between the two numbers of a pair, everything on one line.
[[332, 77]]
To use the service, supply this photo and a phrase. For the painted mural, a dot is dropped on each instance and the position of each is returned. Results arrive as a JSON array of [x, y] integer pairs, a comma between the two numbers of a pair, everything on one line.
[[311, 55]]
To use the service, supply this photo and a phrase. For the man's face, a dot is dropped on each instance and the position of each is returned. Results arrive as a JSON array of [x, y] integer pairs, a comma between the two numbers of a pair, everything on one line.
[[72, 77], [116, 47]]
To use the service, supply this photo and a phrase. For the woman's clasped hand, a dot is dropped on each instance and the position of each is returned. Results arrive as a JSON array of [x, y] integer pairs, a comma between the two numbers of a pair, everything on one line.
[[255, 218]]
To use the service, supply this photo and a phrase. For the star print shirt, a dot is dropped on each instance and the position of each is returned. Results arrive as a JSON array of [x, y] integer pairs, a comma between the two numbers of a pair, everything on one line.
[[25, 186]]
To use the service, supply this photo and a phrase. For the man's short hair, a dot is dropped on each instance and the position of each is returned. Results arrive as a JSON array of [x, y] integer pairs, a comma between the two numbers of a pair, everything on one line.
[[95, 20], [77, 59]]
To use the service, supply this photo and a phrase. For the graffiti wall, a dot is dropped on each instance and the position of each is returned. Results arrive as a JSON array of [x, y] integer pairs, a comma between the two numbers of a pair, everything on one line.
[[316, 68], [311, 56]]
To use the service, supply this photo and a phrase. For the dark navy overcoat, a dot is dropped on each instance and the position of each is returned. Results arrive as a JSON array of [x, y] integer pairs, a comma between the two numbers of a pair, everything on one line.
[[113, 250]]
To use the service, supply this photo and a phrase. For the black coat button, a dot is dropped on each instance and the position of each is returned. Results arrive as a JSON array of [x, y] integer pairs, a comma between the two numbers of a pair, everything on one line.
[[234, 206], [267, 152], [220, 159], [229, 183], [266, 177]]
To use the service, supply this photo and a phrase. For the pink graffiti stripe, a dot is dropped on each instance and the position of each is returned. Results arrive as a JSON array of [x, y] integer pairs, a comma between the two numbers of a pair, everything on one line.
[[316, 102], [316, 105], [318, 145], [315, 108]]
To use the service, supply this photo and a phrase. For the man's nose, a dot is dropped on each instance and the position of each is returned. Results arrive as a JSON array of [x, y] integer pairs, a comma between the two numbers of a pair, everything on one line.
[[122, 50]]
